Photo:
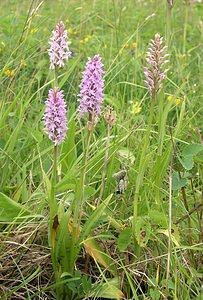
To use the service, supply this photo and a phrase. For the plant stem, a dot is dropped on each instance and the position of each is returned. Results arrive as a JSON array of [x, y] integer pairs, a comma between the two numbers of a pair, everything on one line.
[[53, 203], [186, 216], [183, 193], [200, 212], [142, 164], [187, 9], [53, 221], [85, 158], [168, 21], [169, 226], [105, 164], [187, 209], [78, 206]]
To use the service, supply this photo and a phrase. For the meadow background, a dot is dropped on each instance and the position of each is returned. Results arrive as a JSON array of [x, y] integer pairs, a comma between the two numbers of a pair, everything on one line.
[[135, 262]]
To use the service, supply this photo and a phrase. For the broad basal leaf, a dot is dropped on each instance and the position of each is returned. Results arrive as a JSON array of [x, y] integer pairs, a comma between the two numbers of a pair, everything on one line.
[[187, 161], [175, 237], [142, 231], [178, 183], [10, 210], [192, 149], [109, 290], [95, 251], [188, 153], [94, 218], [157, 218], [124, 239]]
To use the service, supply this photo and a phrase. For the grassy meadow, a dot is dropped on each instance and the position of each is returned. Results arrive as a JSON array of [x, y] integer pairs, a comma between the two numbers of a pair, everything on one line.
[[115, 213]]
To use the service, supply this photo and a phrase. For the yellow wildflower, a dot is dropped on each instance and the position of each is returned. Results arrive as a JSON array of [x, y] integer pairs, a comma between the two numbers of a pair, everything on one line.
[[34, 30], [177, 101], [182, 56], [170, 97], [23, 63], [126, 45], [86, 39], [136, 108], [134, 45], [12, 73], [9, 72], [70, 30], [81, 41]]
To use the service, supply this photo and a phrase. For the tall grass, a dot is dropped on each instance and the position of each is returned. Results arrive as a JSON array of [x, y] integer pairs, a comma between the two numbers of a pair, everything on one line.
[[99, 251]]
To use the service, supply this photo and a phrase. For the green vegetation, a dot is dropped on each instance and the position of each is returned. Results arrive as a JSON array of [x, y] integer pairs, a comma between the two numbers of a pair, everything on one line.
[[134, 229]]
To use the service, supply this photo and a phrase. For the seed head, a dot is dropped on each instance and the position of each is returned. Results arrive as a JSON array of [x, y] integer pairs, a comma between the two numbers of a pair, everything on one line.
[[110, 116]]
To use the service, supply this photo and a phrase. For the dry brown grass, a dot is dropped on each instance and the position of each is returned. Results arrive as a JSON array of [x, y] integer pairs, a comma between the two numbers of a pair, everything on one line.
[[23, 252]]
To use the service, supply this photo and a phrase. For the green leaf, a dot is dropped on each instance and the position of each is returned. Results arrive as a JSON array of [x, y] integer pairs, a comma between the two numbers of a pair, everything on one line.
[[185, 175], [113, 101], [86, 283], [47, 182], [188, 153], [9, 109], [192, 149], [2, 143], [67, 274], [37, 135], [175, 236], [154, 293], [104, 259], [93, 219], [12, 114], [178, 183], [187, 161], [171, 284], [68, 181], [11, 211], [89, 191], [64, 77], [109, 290], [126, 154], [157, 218], [124, 239], [142, 231], [62, 241], [68, 153]]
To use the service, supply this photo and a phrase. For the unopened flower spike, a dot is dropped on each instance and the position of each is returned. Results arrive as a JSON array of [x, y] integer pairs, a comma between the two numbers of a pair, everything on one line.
[[110, 116], [156, 59], [91, 88], [59, 46], [55, 116]]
